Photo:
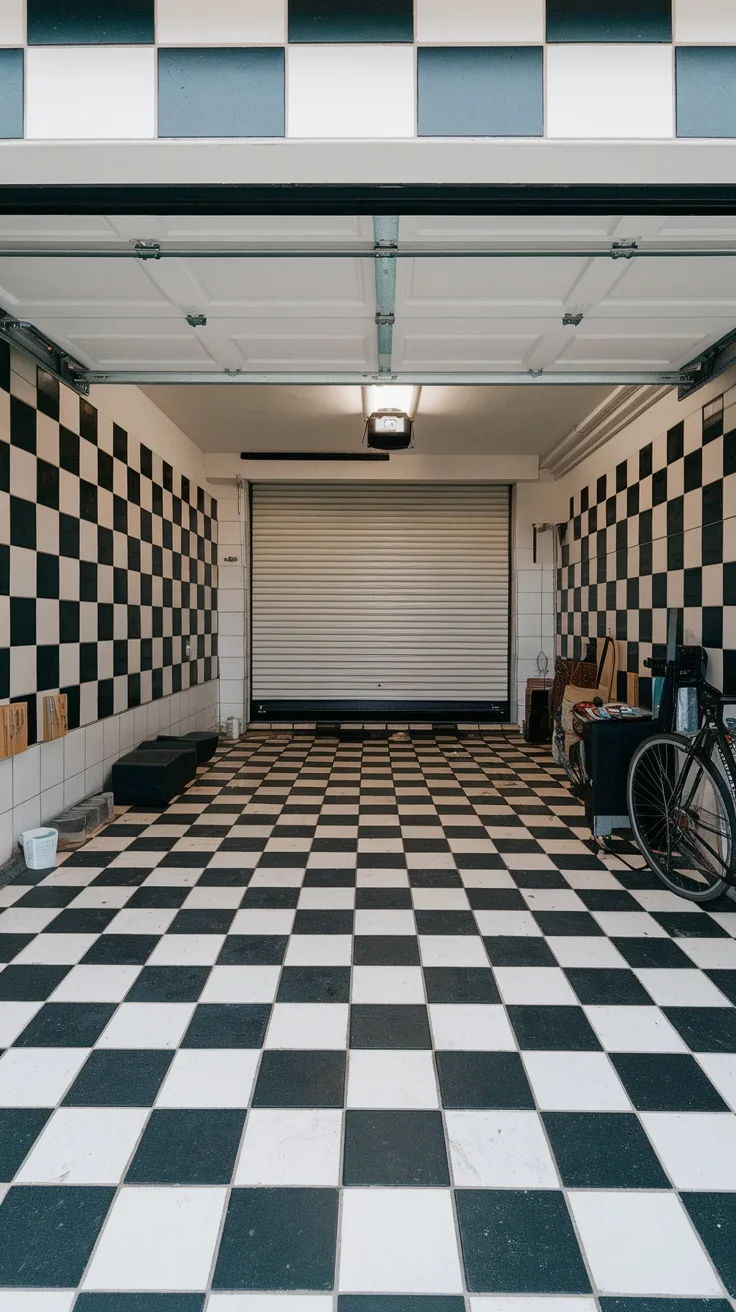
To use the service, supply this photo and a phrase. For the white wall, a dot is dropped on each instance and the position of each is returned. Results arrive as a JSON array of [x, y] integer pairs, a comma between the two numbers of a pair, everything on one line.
[[532, 589], [231, 600]]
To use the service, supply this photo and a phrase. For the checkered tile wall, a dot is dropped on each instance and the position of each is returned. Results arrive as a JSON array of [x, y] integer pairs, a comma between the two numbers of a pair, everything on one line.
[[313, 68], [108, 560], [657, 531]]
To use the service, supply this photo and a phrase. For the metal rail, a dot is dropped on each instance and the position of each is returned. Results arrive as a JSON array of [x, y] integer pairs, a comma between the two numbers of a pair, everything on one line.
[[237, 377], [154, 251]]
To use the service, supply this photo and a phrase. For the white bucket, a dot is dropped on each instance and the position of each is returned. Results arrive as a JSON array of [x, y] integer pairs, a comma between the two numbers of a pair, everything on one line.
[[39, 848], [234, 728]]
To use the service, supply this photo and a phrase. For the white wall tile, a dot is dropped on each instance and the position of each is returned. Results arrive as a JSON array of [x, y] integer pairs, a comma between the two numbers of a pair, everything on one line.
[[12, 22], [74, 752], [94, 748], [351, 91], [609, 91], [93, 778], [6, 835], [26, 775], [82, 92], [73, 789], [705, 22], [506, 22], [221, 22], [52, 802], [52, 763], [27, 816], [6, 785], [111, 736], [231, 624], [232, 668]]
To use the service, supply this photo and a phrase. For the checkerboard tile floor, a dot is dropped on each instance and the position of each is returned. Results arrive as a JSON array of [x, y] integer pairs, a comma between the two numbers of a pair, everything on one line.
[[364, 1026]]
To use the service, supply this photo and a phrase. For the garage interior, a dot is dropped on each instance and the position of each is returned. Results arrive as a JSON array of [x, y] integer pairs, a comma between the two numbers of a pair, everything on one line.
[[363, 1019]]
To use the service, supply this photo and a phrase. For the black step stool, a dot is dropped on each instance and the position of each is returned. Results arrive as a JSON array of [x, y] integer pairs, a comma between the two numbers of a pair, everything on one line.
[[205, 741], [152, 775]]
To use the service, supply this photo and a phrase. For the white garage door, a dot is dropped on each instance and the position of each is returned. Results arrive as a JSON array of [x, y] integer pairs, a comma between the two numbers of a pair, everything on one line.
[[371, 600]]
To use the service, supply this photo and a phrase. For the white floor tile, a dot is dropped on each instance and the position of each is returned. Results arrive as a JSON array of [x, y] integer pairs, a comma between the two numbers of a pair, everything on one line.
[[629, 924], [634, 1029], [388, 984], [660, 899], [38, 1077], [103, 897], [552, 899], [440, 899], [291, 1148], [157, 1238], [55, 950], [530, 1303], [697, 1149], [147, 1025], [308, 1025], [452, 950], [391, 1080], [710, 953], [642, 1243], [399, 1240], [720, 1067], [206, 898], [269, 1303], [241, 984], [264, 920], [96, 984], [319, 950], [593, 953], [385, 922], [26, 920], [326, 899], [37, 1300], [516, 923], [681, 988], [476, 1027], [84, 1145], [218, 1077], [500, 1150], [187, 950], [141, 920], [525, 985], [575, 1082], [14, 1016]]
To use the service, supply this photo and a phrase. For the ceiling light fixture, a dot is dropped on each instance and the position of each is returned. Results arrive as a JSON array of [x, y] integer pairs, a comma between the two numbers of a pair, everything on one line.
[[391, 396]]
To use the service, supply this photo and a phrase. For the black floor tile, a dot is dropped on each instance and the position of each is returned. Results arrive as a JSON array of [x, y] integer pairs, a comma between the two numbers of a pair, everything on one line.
[[292, 1078], [483, 1080], [558, 924], [496, 899], [66, 1025], [314, 984], [281, 898], [383, 899], [517, 950], [548, 1028], [81, 920], [120, 1077], [725, 980], [604, 899], [169, 984], [47, 1234], [48, 895], [608, 988], [652, 954], [459, 984], [19, 1129], [253, 950], [227, 1025], [714, 1218], [395, 1149], [385, 950], [182, 1146], [401, 1303], [30, 983], [158, 896], [690, 924], [140, 1302], [600, 1150], [323, 922], [664, 1304], [435, 879], [121, 950], [12, 944], [666, 1082], [398, 1026], [201, 922], [329, 878], [446, 922], [278, 1239], [519, 1241], [705, 1029]]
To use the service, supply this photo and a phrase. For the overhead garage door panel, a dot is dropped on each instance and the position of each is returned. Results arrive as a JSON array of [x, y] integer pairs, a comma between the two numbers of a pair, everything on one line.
[[392, 594]]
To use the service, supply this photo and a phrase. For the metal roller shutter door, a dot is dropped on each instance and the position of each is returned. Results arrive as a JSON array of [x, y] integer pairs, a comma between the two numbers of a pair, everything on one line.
[[370, 599]]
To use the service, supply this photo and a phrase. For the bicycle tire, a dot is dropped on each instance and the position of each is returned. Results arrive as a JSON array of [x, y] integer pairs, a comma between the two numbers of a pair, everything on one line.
[[653, 856]]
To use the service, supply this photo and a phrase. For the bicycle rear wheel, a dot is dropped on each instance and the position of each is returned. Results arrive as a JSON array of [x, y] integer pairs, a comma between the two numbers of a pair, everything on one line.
[[683, 816]]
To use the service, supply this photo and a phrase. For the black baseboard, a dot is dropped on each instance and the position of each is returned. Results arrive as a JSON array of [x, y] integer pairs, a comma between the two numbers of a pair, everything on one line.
[[434, 712]]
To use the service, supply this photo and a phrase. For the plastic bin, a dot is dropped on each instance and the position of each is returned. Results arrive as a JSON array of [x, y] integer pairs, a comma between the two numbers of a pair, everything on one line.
[[39, 848], [105, 804], [72, 827]]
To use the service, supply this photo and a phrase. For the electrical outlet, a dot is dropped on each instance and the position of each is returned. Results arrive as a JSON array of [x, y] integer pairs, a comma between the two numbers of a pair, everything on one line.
[[187, 648]]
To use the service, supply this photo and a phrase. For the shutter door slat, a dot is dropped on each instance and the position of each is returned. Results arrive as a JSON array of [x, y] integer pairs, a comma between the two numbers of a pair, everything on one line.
[[368, 592]]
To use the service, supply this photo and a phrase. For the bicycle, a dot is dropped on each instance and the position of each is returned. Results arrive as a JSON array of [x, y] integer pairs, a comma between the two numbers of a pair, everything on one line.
[[681, 789]]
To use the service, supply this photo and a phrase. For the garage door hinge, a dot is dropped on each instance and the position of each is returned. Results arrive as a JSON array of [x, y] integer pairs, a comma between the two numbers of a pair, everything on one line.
[[148, 250], [383, 319], [624, 250]]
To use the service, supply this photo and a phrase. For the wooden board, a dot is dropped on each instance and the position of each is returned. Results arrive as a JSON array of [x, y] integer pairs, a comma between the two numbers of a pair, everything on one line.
[[54, 716], [13, 729]]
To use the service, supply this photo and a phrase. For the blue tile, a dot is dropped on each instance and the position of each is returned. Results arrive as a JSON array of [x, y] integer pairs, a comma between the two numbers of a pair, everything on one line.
[[90, 22], [350, 21], [602, 20], [480, 91], [11, 93], [706, 91], [249, 100]]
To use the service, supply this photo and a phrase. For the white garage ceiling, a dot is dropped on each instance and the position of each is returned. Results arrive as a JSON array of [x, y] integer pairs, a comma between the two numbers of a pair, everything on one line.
[[455, 313]]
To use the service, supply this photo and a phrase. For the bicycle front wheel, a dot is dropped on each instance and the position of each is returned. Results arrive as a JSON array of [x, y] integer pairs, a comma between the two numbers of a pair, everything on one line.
[[683, 816]]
